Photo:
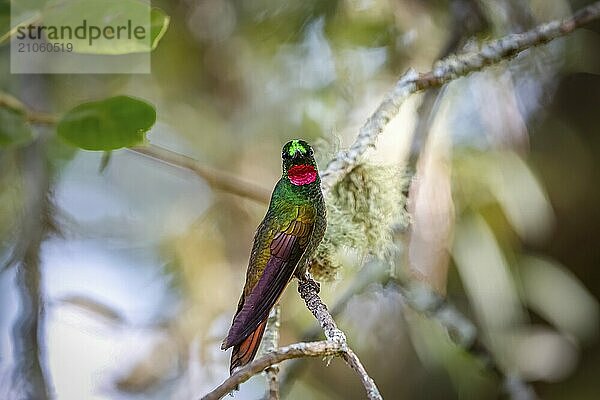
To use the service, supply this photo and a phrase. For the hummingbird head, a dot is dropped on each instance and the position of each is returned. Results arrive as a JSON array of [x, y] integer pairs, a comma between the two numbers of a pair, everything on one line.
[[299, 164]]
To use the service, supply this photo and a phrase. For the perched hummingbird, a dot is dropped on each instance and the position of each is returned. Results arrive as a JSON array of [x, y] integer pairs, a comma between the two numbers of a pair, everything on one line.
[[291, 230]]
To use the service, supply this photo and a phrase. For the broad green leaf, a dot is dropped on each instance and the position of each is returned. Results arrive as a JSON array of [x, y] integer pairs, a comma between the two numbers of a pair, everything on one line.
[[14, 130], [108, 124], [105, 26]]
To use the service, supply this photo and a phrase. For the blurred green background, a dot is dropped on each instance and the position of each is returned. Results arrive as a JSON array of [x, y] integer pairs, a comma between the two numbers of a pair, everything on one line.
[[141, 263]]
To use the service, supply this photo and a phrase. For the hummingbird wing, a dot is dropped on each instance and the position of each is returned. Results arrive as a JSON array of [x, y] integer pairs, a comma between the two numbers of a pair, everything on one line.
[[284, 252]]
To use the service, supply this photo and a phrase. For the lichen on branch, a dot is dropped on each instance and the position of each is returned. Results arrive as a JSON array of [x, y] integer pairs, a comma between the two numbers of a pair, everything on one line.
[[362, 210]]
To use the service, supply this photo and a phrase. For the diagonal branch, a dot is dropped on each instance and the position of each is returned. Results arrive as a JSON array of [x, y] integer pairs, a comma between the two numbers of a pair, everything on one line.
[[35, 117], [217, 179], [446, 70], [309, 291]]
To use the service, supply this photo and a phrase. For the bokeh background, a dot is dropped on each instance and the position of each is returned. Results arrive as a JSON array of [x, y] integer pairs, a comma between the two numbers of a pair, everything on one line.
[[139, 266]]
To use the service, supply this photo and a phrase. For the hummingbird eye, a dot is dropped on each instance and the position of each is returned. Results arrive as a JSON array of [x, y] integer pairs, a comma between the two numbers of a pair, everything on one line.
[[310, 151], [285, 155]]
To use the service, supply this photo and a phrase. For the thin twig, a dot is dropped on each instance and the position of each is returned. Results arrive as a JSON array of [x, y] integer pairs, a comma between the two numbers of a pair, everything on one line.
[[323, 348], [270, 344], [34, 117], [369, 384], [215, 178], [444, 71]]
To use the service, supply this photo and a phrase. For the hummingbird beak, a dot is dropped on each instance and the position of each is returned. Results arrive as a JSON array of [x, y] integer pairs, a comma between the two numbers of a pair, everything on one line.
[[297, 155]]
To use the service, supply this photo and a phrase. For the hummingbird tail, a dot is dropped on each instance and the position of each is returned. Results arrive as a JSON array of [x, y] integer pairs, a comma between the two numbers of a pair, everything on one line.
[[244, 352]]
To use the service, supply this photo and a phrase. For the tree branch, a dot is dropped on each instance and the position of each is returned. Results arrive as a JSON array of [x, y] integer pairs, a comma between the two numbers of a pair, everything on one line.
[[446, 70], [462, 11], [218, 180], [322, 348], [270, 344], [34, 117], [309, 291]]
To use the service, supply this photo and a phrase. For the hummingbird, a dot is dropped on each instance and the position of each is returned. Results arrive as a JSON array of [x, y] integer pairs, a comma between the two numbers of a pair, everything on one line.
[[285, 239]]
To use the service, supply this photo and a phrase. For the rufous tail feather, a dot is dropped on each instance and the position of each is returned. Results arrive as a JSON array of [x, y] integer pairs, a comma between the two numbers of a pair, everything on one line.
[[244, 352]]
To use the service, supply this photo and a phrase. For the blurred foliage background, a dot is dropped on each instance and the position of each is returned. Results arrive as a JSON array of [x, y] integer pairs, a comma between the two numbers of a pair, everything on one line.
[[140, 264]]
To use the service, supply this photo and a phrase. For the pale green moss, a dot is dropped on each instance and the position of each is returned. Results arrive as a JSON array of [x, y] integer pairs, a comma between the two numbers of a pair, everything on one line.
[[362, 210]]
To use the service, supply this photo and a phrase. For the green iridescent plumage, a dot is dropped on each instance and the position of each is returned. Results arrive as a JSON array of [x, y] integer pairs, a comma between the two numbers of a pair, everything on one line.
[[290, 232]]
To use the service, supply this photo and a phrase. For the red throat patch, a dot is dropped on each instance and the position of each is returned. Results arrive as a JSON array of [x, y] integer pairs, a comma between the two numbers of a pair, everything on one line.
[[302, 174]]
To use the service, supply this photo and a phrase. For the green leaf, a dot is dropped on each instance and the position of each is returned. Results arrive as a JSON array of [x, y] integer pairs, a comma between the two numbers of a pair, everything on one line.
[[159, 22], [100, 16], [108, 124], [14, 130]]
